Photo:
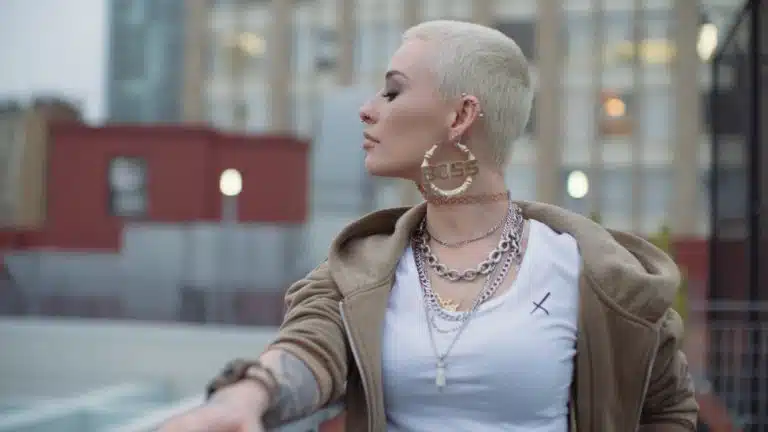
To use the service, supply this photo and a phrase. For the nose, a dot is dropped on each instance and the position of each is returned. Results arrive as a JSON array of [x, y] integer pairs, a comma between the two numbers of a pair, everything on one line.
[[367, 115]]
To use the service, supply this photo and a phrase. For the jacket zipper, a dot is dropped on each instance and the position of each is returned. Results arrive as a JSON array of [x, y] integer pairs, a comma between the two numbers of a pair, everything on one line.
[[359, 363], [647, 379]]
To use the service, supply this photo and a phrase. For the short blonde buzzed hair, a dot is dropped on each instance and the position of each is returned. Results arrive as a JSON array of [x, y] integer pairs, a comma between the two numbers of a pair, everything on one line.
[[484, 62]]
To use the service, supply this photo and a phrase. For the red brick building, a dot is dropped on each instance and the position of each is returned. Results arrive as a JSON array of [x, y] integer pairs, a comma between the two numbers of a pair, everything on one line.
[[97, 178], [102, 185]]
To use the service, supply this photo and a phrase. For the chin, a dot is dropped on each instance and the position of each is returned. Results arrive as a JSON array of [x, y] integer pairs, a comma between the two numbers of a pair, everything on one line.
[[380, 168]]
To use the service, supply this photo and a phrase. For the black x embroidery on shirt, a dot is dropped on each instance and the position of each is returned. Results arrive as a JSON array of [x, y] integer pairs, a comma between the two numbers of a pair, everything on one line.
[[540, 305]]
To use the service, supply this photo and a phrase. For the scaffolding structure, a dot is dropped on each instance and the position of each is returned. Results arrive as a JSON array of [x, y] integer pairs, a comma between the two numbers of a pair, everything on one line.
[[739, 237]]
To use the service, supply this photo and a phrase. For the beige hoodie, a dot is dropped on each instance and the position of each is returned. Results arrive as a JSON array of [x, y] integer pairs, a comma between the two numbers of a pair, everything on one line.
[[629, 375]]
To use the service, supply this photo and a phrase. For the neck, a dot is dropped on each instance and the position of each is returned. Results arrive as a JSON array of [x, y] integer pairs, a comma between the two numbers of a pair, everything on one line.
[[455, 222]]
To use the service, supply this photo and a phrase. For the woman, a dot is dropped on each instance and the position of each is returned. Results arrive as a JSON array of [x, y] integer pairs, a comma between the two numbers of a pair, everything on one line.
[[468, 312]]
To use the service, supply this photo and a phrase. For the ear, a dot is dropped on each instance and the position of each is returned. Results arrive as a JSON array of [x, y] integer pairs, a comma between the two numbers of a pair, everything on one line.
[[466, 113]]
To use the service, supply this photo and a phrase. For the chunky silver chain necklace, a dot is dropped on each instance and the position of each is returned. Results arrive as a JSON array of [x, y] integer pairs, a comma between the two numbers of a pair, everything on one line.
[[511, 236], [491, 285], [488, 291], [486, 266]]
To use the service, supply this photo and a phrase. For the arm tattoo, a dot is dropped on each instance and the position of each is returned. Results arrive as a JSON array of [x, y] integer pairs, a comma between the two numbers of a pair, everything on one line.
[[297, 391]]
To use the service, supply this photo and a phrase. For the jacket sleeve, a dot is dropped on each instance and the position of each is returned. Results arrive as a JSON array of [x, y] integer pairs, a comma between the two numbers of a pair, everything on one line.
[[312, 330], [670, 403]]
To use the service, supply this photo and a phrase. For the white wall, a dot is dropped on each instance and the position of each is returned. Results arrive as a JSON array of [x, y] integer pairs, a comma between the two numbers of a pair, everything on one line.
[[60, 357]]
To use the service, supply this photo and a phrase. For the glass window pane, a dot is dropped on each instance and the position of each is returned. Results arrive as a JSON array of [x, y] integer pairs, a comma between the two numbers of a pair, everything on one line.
[[616, 197], [580, 34], [618, 40], [657, 193], [303, 43], [523, 32], [127, 182], [656, 117], [578, 124], [373, 47], [257, 108], [304, 108]]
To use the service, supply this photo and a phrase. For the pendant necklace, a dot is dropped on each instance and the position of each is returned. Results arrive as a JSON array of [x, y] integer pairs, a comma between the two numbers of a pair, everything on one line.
[[500, 276], [493, 281]]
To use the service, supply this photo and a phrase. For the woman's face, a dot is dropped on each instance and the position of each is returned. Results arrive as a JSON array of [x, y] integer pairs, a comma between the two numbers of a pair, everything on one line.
[[407, 117]]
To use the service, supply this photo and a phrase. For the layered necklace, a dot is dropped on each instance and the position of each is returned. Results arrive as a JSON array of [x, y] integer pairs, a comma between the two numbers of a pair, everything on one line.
[[493, 269]]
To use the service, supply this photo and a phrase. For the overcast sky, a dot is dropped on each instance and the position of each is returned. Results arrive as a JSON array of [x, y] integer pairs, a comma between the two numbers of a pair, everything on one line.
[[54, 47]]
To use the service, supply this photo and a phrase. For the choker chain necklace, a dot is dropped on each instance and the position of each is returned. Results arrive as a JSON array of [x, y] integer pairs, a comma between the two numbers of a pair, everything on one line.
[[507, 242], [461, 243], [463, 199]]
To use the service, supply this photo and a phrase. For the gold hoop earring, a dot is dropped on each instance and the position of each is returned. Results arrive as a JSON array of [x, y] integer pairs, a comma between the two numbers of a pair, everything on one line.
[[467, 168]]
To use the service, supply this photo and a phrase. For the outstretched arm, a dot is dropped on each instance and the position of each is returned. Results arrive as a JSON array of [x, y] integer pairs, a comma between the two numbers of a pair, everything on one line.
[[308, 359]]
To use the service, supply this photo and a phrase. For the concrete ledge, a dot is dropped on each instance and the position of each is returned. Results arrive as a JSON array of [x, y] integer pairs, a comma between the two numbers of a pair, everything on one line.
[[44, 358]]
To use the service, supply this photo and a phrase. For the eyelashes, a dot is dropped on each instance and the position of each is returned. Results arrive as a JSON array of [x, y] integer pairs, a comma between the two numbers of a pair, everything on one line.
[[389, 95]]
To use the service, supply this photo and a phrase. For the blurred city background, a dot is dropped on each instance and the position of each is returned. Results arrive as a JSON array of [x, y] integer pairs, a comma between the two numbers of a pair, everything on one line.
[[169, 167]]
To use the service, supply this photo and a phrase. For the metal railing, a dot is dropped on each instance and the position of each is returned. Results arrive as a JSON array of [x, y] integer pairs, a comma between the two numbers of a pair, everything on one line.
[[739, 380], [736, 366]]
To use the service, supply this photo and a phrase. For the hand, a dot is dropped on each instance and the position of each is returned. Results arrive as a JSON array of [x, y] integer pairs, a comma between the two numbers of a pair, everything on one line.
[[238, 408]]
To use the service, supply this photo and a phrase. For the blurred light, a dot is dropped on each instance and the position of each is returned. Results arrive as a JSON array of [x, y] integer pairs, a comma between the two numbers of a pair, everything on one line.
[[657, 51], [251, 44], [577, 184], [650, 51], [707, 43], [614, 107], [230, 182]]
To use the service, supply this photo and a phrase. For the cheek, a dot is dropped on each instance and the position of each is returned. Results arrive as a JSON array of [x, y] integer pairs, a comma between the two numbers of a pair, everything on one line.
[[417, 124]]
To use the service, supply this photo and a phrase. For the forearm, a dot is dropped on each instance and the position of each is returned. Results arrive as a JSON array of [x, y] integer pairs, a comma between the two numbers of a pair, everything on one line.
[[297, 393], [282, 389]]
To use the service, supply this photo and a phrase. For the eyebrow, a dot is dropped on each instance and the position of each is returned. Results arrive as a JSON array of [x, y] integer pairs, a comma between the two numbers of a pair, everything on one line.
[[393, 72]]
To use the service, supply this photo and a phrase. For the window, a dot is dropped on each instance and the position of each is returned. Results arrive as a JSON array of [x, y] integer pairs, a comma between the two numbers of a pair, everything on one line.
[[326, 50], [376, 41], [615, 200], [616, 114], [657, 115], [523, 32], [127, 179], [619, 49], [304, 109]]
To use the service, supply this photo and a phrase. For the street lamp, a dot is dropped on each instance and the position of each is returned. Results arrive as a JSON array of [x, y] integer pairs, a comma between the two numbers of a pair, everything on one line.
[[230, 182], [577, 184], [230, 186], [707, 41]]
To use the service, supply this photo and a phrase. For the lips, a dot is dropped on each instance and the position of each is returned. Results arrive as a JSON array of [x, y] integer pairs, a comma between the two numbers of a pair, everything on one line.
[[369, 141], [370, 137]]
